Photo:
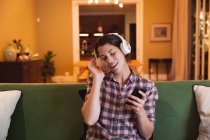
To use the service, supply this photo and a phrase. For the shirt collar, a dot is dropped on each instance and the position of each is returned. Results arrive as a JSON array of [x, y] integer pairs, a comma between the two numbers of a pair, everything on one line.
[[133, 76]]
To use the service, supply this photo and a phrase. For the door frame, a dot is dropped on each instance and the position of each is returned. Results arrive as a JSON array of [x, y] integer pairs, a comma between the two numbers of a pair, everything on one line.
[[139, 27]]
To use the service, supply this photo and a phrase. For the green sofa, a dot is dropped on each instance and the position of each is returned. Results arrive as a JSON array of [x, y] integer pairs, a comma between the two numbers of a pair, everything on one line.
[[53, 112]]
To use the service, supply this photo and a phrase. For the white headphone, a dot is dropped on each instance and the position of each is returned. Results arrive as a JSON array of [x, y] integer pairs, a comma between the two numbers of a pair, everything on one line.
[[124, 46]]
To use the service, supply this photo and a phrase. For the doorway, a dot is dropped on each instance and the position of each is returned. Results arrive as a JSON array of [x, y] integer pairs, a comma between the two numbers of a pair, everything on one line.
[[139, 27]]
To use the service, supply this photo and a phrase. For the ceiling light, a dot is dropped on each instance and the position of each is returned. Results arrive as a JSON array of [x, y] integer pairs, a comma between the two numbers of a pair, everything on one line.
[[98, 34], [96, 1], [121, 5], [83, 35], [116, 1], [107, 1], [90, 1]]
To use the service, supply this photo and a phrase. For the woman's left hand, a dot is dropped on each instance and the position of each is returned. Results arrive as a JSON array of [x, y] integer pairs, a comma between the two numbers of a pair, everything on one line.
[[137, 104]]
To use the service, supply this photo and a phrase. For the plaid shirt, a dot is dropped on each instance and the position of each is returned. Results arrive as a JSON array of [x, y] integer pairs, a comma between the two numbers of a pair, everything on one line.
[[116, 121]]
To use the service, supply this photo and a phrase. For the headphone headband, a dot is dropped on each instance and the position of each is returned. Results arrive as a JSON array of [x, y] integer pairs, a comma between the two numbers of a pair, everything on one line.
[[124, 46]]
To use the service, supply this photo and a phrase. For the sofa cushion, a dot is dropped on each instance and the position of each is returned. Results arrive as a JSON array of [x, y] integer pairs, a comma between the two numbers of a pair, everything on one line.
[[202, 95], [46, 112], [82, 94], [176, 111], [8, 101]]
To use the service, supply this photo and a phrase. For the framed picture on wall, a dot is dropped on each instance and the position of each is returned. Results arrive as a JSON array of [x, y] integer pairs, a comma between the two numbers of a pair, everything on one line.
[[161, 32]]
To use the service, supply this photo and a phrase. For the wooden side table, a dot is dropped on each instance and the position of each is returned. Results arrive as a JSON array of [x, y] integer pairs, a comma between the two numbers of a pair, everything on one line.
[[157, 61], [21, 72]]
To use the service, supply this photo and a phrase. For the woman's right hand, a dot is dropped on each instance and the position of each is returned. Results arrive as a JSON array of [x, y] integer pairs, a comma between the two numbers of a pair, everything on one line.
[[96, 72]]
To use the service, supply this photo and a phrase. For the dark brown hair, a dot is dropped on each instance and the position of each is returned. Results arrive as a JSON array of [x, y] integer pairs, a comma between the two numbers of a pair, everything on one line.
[[108, 39]]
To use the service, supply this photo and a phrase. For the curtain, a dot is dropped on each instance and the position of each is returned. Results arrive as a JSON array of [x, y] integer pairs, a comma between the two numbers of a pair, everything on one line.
[[181, 55]]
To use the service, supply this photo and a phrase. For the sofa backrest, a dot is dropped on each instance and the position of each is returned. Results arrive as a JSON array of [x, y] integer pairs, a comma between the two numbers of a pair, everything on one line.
[[53, 111], [176, 112], [46, 112]]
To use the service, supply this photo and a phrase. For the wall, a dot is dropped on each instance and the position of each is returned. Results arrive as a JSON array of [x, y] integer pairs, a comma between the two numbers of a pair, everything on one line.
[[18, 21], [55, 33], [130, 17], [156, 11]]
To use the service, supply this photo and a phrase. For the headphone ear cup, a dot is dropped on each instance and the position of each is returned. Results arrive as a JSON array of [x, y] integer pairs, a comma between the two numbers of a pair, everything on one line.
[[125, 47]]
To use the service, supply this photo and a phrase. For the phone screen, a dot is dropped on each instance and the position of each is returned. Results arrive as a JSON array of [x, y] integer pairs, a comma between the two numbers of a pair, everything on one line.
[[137, 94]]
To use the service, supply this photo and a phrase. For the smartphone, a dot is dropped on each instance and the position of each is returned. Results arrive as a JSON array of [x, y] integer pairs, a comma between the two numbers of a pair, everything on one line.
[[137, 94]]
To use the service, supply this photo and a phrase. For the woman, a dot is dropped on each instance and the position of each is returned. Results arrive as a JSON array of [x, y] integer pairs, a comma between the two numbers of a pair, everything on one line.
[[110, 111]]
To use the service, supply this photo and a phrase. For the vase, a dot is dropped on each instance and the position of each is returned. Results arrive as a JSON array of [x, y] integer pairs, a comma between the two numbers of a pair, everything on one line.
[[10, 53]]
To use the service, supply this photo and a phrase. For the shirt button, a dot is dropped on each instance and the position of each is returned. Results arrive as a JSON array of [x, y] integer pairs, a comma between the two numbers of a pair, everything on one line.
[[115, 133], [119, 96]]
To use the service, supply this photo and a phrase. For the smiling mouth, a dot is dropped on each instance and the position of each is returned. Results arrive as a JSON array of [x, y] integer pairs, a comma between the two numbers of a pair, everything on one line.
[[114, 66]]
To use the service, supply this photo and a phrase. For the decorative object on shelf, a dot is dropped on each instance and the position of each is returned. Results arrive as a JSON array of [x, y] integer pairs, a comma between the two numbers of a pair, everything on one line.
[[22, 52], [19, 48], [35, 56], [100, 27], [99, 32], [161, 32], [26, 54], [48, 68], [116, 2], [84, 46], [10, 53]]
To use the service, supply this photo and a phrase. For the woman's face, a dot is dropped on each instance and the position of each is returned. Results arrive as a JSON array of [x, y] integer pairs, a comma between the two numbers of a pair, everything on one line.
[[112, 57]]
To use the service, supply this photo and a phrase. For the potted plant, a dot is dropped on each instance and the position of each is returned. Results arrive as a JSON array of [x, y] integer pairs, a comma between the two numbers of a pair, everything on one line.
[[48, 68]]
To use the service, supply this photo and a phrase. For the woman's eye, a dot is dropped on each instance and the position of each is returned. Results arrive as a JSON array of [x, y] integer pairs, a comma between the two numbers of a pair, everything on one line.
[[112, 53]]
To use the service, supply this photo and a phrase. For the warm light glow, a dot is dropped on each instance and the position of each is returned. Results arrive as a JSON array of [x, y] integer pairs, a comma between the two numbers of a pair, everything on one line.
[[107, 1], [113, 33], [116, 1], [98, 34], [37, 19], [121, 5], [83, 35], [201, 15], [96, 1], [207, 22], [90, 1]]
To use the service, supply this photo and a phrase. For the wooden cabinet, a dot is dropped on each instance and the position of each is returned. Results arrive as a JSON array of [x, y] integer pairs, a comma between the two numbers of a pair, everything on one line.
[[21, 72]]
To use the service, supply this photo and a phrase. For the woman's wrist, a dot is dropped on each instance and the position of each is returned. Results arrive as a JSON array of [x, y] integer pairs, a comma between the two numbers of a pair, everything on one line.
[[98, 80], [140, 114], [97, 85]]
